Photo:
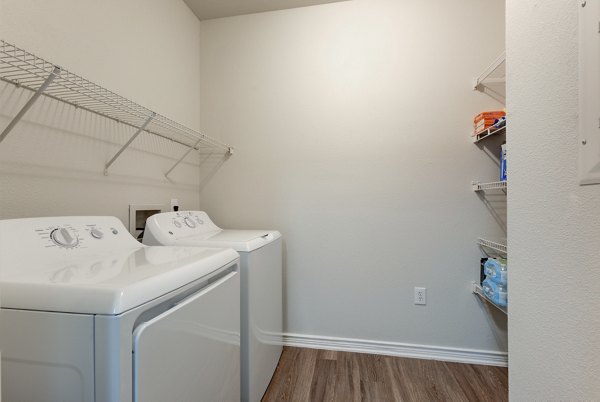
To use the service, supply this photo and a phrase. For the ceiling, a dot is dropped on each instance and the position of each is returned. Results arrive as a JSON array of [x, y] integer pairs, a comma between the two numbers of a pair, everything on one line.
[[208, 9]]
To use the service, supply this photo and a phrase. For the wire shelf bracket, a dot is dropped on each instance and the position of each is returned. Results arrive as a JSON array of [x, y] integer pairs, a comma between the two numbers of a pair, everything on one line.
[[484, 76], [120, 151], [494, 185], [182, 158], [26, 70], [479, 292], [30, 102]]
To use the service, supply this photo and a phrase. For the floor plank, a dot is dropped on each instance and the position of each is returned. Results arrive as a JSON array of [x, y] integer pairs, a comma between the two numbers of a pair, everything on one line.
[[480, 379], [323, 380], [310, 375], [347, 386]]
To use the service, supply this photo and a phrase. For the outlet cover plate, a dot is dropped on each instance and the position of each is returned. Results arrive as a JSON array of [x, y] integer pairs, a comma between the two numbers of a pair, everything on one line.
[[420, 296]]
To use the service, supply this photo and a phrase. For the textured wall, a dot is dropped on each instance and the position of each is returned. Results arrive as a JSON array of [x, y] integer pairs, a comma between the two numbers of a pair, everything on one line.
[[52, 162], [351, 125], [554, 224]]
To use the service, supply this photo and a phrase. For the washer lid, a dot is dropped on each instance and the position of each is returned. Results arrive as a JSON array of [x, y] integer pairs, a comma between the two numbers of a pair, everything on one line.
[[110, 283]]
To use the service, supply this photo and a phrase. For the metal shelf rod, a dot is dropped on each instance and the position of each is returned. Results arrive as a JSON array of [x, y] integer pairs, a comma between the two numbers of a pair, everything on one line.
[[120, 151], [182, 158], [30, 103]]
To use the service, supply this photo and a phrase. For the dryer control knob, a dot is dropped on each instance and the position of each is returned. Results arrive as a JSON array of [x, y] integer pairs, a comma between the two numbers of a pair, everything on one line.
[[64, 237], [189, 222], [96, 233]]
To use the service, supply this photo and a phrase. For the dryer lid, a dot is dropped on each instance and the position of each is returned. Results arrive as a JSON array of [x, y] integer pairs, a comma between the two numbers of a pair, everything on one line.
[[239, 240], [195, 228]]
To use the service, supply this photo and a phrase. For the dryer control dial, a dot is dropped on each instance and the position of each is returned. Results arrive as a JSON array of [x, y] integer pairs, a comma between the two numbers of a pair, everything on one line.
[[96, 233], [189, 222], [64, 237]]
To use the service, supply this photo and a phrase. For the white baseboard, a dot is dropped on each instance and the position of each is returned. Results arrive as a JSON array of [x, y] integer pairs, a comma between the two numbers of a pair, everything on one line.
[[472, 356]]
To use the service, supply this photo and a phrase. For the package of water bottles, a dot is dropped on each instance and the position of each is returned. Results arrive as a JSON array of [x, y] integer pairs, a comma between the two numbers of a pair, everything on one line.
[[495, 270], [496, 280]]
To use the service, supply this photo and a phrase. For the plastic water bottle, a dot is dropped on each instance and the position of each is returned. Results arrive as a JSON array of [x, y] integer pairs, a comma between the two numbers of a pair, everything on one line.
[[496, 270], [496, 292]]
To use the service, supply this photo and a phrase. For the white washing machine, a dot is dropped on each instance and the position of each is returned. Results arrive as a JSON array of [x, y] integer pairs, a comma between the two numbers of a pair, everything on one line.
[[90, 314], [261, 287]]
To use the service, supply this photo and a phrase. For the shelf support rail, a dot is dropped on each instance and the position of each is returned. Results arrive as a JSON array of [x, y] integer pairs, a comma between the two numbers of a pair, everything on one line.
[[120, 151], [30, 102], [494, 185], [501, 248], [183, 157]]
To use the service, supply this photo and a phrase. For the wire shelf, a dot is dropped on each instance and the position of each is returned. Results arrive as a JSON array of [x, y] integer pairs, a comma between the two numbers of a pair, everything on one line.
[[501, 248], [495, 185], [489, 132], [479, 292], [26, 70]]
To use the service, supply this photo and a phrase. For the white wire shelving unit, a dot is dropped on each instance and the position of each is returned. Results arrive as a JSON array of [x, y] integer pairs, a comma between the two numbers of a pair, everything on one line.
[[492, 81], [494, 185], [26, 70], [492, 245], [488, 133], [479, 292]]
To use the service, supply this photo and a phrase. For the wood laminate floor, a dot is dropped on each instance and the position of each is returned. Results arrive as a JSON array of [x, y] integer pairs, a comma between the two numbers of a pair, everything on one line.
[[323, 375]]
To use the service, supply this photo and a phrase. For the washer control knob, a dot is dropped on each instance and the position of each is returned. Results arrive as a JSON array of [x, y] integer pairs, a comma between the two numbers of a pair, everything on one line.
[[64, 237], [96, 233], [189, 222]]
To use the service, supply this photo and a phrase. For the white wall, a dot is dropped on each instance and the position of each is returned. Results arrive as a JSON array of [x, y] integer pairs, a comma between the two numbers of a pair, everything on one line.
[[52, 162], [554, 223], [351, 125]]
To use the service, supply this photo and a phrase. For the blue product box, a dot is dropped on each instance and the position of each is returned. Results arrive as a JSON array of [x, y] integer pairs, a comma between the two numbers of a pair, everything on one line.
[[503, 162]]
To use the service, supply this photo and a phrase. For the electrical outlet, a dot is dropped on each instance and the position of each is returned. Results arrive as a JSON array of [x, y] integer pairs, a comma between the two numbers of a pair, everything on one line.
[[420, 295]]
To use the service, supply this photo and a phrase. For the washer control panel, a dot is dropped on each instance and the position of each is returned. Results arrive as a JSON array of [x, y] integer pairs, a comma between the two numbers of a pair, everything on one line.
[[176, 225], [68, 234], [181, 222], [188, 220]]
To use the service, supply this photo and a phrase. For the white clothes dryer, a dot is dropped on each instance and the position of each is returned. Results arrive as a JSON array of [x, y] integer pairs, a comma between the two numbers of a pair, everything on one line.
[[261, 286], [90, 314]]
